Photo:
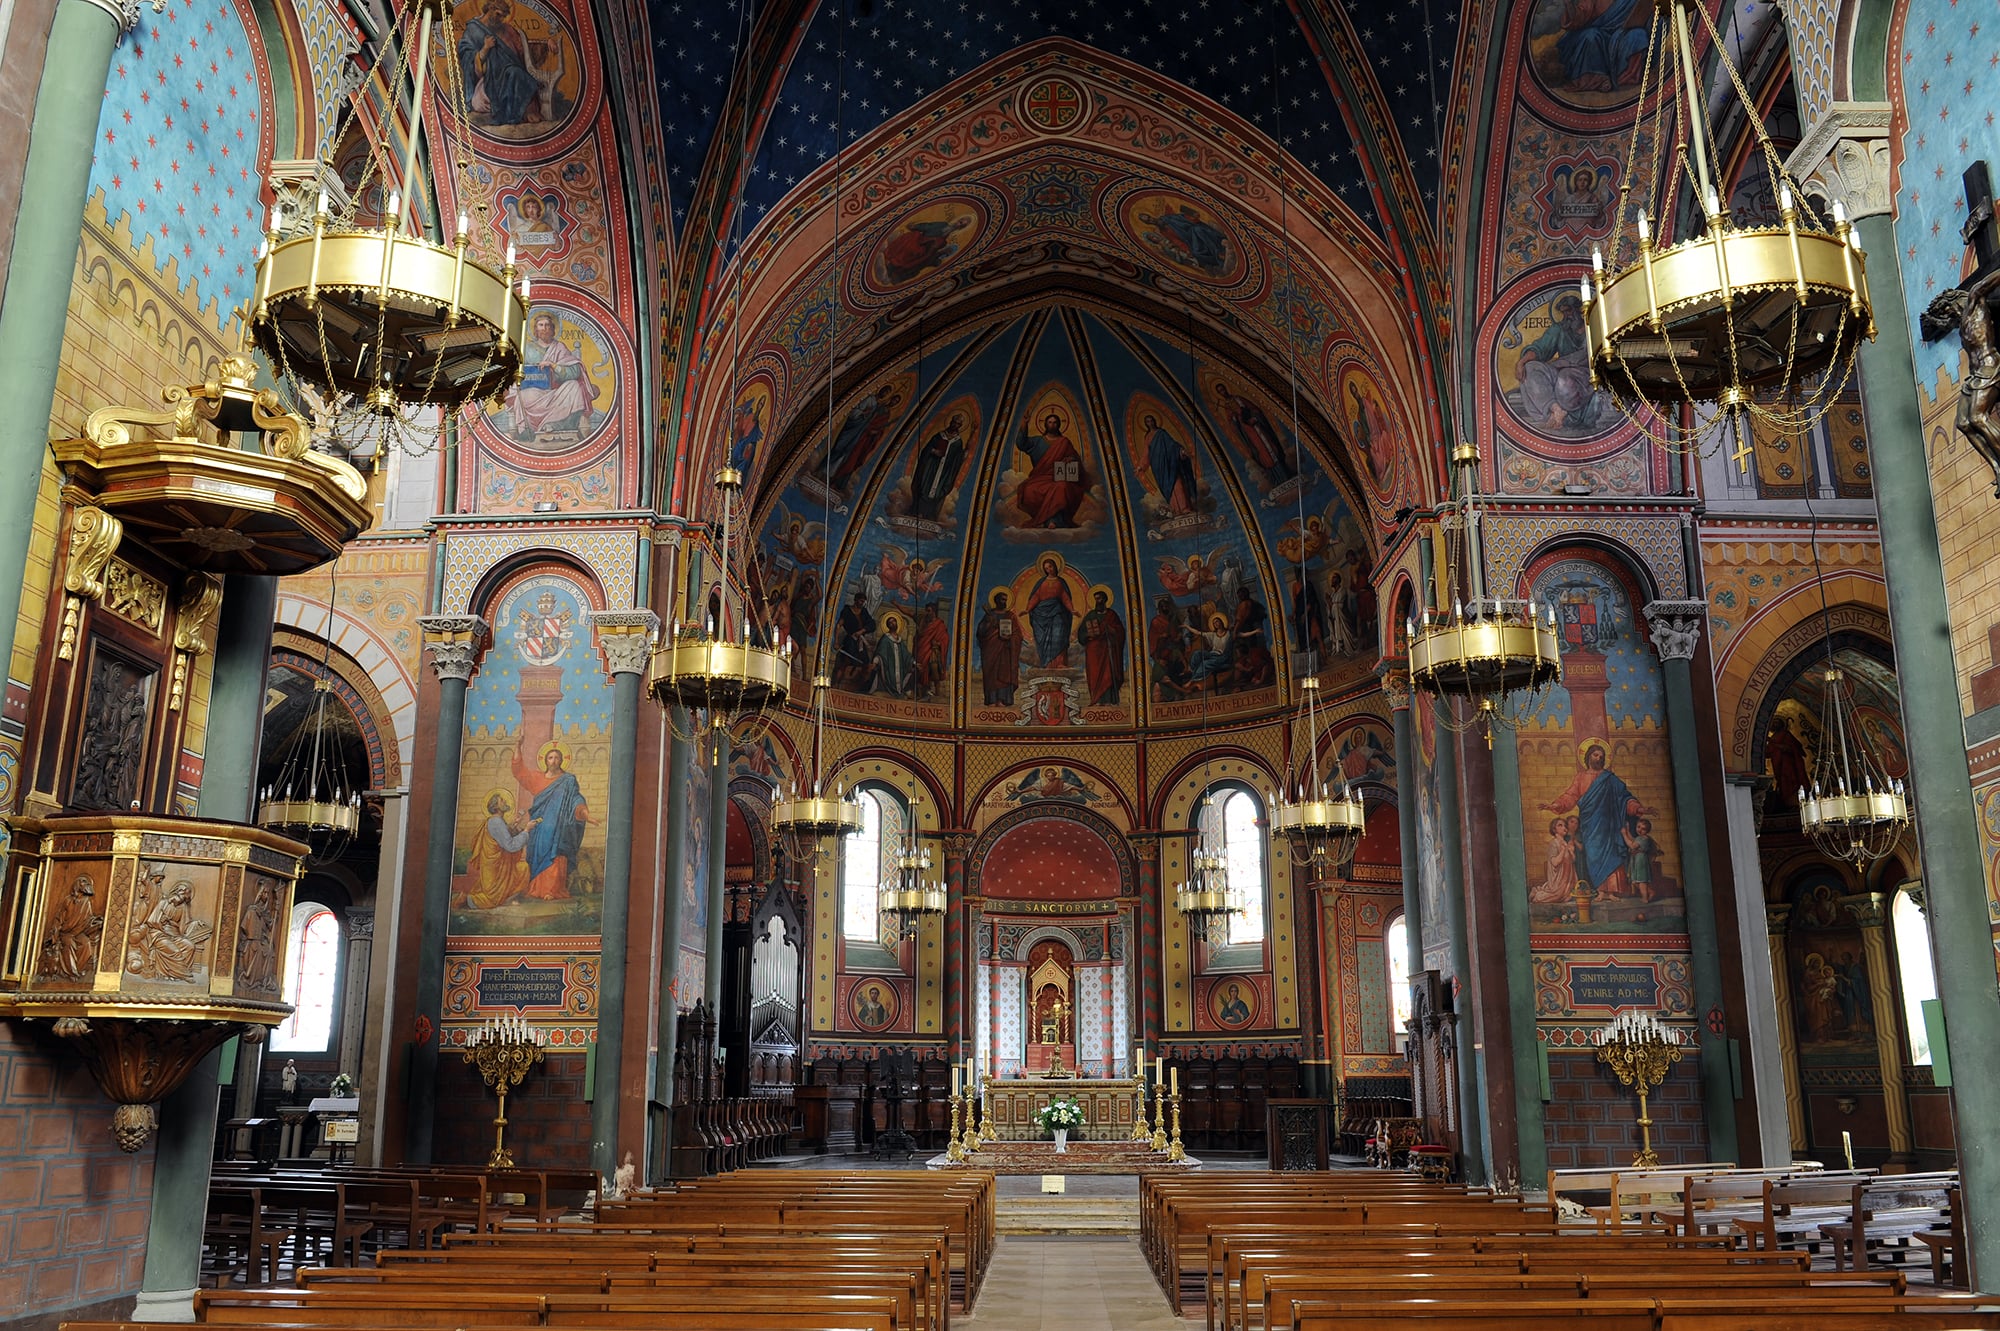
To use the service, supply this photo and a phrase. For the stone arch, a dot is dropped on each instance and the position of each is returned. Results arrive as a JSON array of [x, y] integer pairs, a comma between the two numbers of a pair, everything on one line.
[[367, 665]]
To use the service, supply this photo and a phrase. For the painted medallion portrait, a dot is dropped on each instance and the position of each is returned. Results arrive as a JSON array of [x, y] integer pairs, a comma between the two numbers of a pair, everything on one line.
[[1233, 1003], [924, 242], [569, 384], [519, 66], [1542, 365], [1189, 236], [873, 1004]]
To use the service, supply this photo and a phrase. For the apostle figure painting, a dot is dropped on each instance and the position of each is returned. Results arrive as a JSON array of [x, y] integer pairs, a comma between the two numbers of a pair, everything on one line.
[[1051, 649], [530, 846], [1542, 364], [1596, 784], [518, 64], [569, 382], [1589, 53]]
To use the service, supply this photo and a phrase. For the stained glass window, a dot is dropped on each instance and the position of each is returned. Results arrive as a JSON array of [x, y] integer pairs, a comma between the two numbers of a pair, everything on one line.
[[861, 873], [1243, 847], [1913, 958], [1396, 942]]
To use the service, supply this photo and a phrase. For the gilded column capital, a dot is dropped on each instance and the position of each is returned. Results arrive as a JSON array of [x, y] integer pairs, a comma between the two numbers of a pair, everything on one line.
[[957, 845], [627, 637], [1870, 909], [1845, 157], [1396, 684], [1145, 849], [1676, 627], [453, 643], [360, 924], [1777, 919]]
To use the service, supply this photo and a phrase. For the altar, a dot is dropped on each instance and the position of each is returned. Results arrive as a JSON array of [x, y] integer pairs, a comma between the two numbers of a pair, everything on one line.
[[1107, 1105]]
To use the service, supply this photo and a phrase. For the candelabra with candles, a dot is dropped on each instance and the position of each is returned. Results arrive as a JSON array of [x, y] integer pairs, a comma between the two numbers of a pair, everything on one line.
[[1159, 1140], [1173, 1103], [503, 1050], [1639, 1048], [1141, 1132], [954, 1151]]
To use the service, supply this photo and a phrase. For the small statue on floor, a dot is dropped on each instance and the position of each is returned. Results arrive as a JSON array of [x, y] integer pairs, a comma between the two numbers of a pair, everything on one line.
[[623, 1180], [290, 1077]]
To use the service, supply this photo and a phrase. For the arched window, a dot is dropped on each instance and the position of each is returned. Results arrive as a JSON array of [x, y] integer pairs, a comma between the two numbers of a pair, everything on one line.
[[861, 873], [1913, 959], [311, 979], [1396, 942], [1243, 847]]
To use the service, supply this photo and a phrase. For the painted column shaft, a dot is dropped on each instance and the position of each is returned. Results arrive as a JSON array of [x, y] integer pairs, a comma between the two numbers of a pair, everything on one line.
[[185, 1154], [669, 951], [958, 947], [61, 147], [627, 638], [453, 642], [1947, 822], [718, 878], [1767, 1061], [1872, 914], [1777, 920], [1474, 1167], [1398, 687], [1518, 930], [1676, 627]]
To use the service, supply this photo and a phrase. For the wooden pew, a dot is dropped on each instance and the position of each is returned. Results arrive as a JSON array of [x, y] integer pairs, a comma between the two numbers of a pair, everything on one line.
[[1888, 1208]]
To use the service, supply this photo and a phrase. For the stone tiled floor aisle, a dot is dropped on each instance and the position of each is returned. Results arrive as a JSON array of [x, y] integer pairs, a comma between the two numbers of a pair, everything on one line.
[[1067, 1282]]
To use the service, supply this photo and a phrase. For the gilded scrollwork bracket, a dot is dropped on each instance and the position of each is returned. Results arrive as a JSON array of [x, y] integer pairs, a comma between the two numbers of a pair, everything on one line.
[[93, 536], [196, 605]]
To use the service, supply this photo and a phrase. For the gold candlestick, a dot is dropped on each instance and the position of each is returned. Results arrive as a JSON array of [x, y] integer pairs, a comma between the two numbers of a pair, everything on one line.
[[1174, 1152], [1140, 1131], [503, 1052], [1159, 1141], [974, 1138], [954, 1152], [986, 1132], [1639, 1052]]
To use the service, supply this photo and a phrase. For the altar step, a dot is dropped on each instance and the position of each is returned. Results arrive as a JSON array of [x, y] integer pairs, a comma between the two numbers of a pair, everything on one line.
[[1041, 1157], [1102, 1216]]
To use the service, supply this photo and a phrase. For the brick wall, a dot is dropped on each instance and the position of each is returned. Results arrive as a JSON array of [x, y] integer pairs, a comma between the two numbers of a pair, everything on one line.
[[548, 1120], [73, 1207], [1592, 1121]]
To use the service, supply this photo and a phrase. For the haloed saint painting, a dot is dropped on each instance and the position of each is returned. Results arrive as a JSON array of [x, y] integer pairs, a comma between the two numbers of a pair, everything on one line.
[[529, 858]]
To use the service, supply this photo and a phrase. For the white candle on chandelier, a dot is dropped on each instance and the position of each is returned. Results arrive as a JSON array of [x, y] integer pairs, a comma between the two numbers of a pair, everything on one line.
[[1597, 259], [524, 290], [464, 226], [1645, 229], [1585, 286], [510, 254], [322, 203], [395, 205], [1784, 198], [277, 218], [1839, 213]]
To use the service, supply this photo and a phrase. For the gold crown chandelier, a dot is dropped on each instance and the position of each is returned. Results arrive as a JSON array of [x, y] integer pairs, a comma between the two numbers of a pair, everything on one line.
[[367, 321], [1204, 898], [915, 896], [1500, 653], [313, 800], [1324, 821], [1734, 326]]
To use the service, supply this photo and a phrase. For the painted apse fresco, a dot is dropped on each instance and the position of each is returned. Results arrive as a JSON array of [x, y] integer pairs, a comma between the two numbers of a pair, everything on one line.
[[1063, 522], [528, 860], [1605, 897]]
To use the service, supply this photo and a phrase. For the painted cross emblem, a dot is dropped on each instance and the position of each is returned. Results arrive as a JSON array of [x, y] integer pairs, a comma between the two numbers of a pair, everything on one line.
[[1054, 105]]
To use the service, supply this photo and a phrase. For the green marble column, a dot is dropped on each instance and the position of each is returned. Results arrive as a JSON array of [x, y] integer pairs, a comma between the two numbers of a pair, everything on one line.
[[61, 143], [1474, 1167], [1676, 631], [1941, 782], [627, 639], [185, 1151], [454, 643], [1518, 932], [679, 756]]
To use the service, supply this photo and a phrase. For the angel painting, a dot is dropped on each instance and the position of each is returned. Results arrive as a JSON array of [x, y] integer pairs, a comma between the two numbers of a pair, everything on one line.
[[1185, 578], [908, 580], [798, 538], [1301, 543], [1218, 569]]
